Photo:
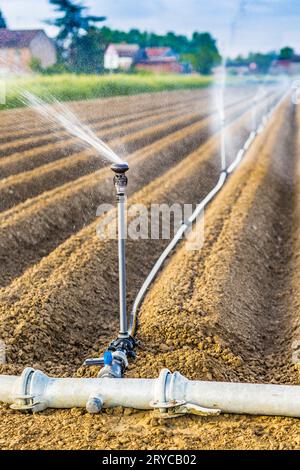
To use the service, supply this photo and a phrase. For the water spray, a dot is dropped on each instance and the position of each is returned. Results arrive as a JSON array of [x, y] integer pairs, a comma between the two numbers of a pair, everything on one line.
[[223, 131], [115, 359], [233, 27], [59, 114], [254, 115]]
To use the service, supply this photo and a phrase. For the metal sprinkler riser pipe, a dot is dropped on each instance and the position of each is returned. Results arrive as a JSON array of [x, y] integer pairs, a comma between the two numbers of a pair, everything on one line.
[[120, 182], [115, 358]]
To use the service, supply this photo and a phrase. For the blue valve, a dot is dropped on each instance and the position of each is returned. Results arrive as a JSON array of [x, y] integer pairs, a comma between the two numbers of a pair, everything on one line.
[[108, 358]]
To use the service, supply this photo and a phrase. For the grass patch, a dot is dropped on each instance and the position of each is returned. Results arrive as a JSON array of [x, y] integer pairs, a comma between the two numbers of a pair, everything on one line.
[[68, 87]]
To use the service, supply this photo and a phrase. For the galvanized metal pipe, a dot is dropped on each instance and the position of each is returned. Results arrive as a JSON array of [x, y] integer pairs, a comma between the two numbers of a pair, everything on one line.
[[120, 181], [245, 398], [169, 394], [7, 387], [122, 264]]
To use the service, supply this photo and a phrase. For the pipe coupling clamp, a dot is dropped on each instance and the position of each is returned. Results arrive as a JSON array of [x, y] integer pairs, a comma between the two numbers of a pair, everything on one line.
[[28, 395], [169, 397]]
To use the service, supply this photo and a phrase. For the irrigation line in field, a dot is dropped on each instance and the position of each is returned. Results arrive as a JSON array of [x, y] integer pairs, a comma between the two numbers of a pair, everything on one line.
[[201, 206]]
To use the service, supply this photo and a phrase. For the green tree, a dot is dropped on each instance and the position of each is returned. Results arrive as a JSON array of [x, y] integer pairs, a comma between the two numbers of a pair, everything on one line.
[[205, 60], [81, 43], [78, 40], [73, 21], [135, 36], [262, 61], [3, 24], [201, 51], [287, 53], [206, 52], [88, 52], [35, 65], [179, 43]]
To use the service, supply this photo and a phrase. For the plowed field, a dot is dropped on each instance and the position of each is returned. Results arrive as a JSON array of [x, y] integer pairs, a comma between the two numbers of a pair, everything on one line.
[[229, 311]]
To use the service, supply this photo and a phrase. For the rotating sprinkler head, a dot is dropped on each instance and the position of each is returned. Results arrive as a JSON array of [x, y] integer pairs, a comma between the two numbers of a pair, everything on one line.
[[120, 179], [120, 167]]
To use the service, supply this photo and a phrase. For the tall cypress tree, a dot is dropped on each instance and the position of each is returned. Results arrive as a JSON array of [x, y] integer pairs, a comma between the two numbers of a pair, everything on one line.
[[79, 40], [73, 20]]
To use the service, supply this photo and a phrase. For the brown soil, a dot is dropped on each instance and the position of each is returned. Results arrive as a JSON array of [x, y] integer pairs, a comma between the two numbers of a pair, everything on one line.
[[182, 186], [34, 149], [41, 223], [25, 120], [233, 305], [98, 121], [123, 139]]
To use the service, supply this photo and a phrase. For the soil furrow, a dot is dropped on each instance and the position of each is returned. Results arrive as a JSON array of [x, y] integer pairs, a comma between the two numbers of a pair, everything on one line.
[[226, 312], [103, 120], [24, 119], [24, 161], [57, 137], [180, 184], [17, 188], [38, 228], [223, 299]]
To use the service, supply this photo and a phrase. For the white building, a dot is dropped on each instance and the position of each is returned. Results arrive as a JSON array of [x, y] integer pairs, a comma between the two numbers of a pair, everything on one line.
[[120, 56]]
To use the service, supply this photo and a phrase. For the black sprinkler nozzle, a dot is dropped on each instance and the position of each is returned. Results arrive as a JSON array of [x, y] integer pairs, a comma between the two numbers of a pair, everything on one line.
[[120, 179], [120, 168]]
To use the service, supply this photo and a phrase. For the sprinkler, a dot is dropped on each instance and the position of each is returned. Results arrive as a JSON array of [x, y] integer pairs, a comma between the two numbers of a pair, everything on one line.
[[115, 359]]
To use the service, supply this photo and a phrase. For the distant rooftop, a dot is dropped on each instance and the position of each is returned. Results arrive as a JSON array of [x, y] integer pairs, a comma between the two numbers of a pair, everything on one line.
[[153, 52], [126, 50], [18, 38]]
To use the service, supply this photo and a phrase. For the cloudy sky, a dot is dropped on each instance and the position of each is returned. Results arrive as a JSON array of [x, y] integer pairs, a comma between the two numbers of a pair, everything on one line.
[[238, 25]]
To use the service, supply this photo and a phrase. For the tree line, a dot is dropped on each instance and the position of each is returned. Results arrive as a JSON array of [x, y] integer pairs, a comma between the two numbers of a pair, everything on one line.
[[264, 61], [81, 41]]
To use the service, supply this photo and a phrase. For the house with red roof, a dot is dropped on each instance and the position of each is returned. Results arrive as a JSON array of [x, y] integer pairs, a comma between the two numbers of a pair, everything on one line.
[[155, 59], [159, 60], [19, 47]]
